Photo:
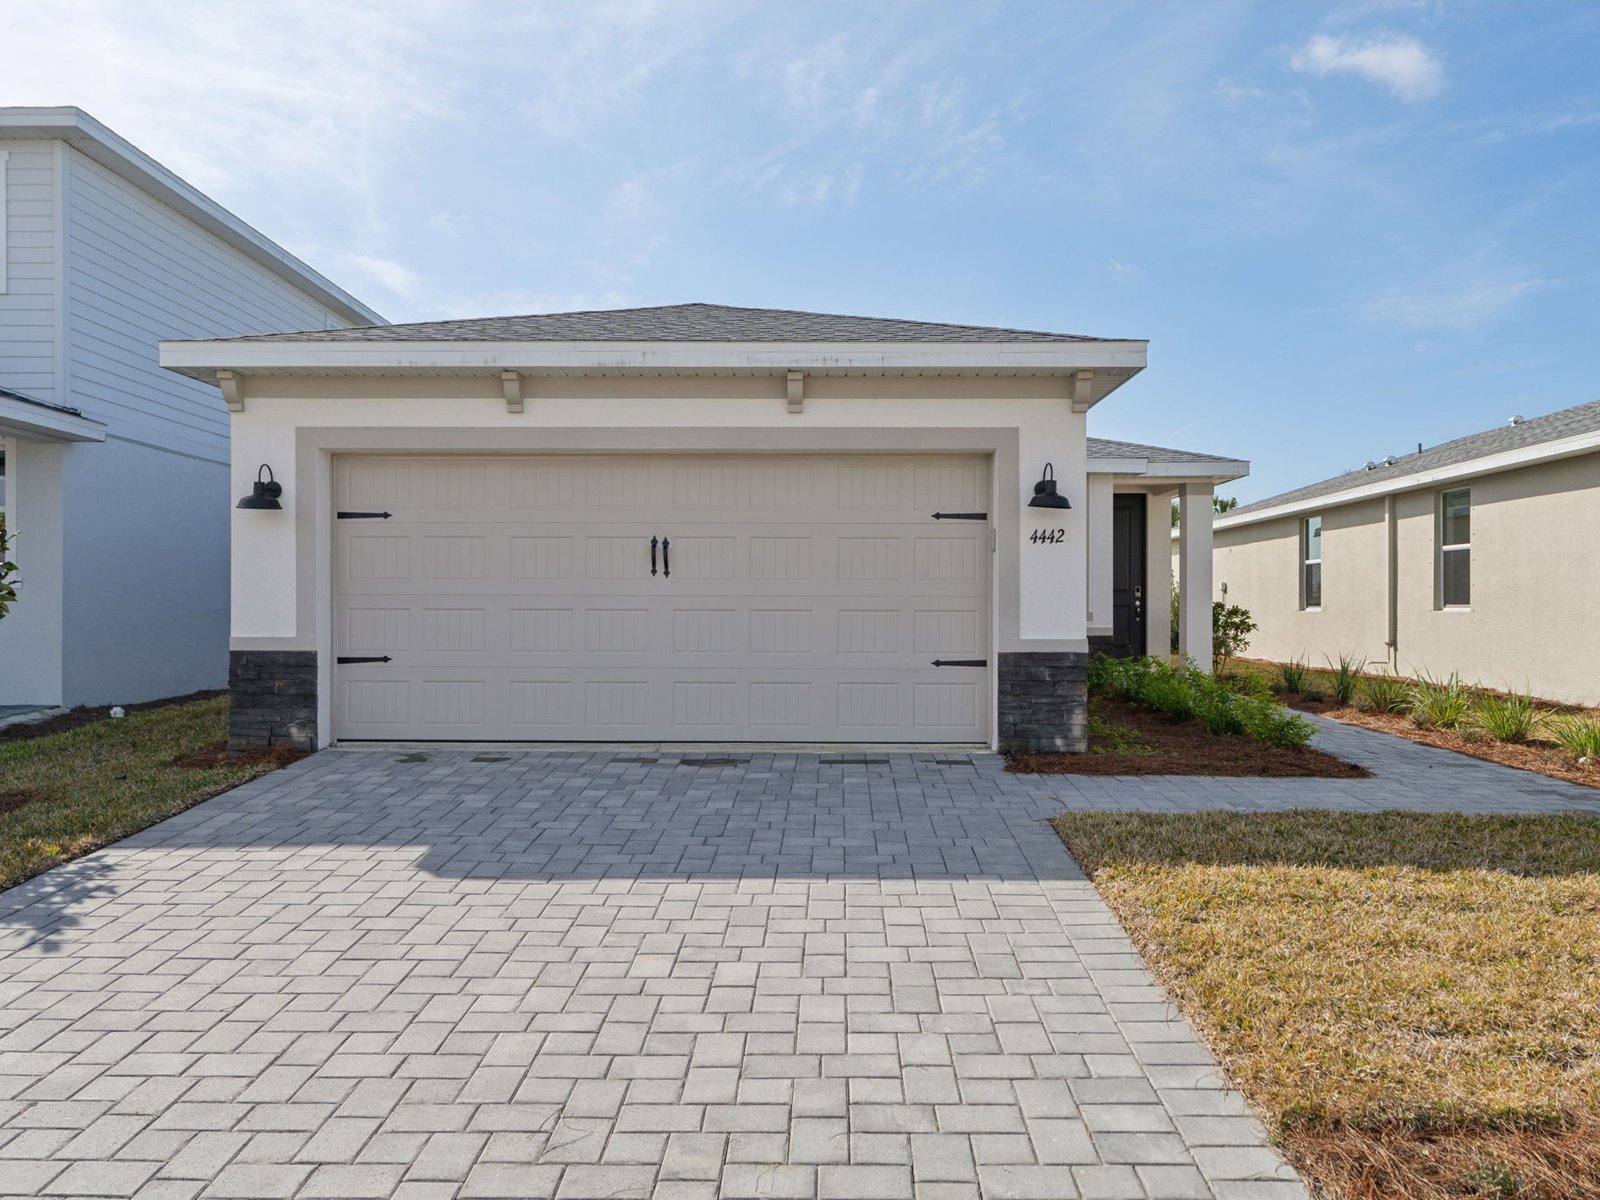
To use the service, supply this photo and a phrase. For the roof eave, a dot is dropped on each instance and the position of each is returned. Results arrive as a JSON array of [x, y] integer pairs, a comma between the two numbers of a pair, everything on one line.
[[1489, 464], [1177, 471], [202, 359], [95, 141], [46, 423]]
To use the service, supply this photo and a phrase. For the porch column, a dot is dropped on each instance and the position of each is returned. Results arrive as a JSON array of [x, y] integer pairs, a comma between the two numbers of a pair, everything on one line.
[[1194, 573], [1158, 575]]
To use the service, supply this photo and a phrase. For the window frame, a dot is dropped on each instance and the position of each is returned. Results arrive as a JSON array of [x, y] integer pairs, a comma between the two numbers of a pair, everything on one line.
[[1442, 600], [1307, 562]]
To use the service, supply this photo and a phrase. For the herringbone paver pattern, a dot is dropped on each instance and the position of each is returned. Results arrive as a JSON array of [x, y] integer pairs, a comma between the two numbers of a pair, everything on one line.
[[602, 975]]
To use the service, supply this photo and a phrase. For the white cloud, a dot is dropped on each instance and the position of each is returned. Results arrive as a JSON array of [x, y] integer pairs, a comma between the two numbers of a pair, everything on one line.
[[1402, 64], [1450, 306], [386, 273]]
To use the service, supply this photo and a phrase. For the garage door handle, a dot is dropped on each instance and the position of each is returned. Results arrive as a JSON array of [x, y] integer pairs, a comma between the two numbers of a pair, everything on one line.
[[653, 542], [961, 662], [666, 558], [944, 516], [342, 659]]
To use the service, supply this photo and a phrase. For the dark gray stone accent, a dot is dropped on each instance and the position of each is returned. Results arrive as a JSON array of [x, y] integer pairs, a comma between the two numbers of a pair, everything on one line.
[[1044, 701], [272, 699]]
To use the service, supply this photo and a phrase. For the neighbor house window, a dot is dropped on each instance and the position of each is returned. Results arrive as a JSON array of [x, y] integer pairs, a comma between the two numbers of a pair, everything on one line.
[[1311, 563], [1455, 548]]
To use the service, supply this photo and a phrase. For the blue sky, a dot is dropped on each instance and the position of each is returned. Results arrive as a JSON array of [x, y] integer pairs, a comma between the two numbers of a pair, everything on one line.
[[1344, 228]]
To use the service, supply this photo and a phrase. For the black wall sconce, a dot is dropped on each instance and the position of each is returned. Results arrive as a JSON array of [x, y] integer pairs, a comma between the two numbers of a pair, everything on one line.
[[264, 493], [1044, 492]]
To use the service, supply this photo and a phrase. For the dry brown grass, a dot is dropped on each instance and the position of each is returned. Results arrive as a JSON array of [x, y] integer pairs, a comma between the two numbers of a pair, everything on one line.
[[1395, 992]]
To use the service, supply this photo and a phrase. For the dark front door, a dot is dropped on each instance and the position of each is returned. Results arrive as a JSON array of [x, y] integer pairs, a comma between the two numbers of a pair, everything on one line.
[[1129, 616]]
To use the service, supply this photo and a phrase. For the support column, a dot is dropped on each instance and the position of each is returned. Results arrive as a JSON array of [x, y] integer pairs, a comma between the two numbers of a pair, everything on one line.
[[1158, 575], [1194, 573], [1100, 572]]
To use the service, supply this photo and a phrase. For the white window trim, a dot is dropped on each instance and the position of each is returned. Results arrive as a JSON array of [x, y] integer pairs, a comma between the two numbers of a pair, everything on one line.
[[1306, 560], [1442, 604]]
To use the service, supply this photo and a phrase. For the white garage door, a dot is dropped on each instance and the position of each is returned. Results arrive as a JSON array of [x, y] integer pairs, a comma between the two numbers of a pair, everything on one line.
[[663, 599]]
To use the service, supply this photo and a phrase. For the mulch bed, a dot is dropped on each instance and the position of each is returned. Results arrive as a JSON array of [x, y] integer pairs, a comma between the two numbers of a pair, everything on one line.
[[1525, 756], [1181, 748], [219, 755], [87, 715]]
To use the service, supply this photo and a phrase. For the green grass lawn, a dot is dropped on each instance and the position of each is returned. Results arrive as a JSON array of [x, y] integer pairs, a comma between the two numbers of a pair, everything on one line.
[[95, 784], [1413, 1000]]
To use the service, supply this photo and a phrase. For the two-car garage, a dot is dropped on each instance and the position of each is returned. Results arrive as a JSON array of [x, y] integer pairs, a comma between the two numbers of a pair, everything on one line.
[[657, 597]]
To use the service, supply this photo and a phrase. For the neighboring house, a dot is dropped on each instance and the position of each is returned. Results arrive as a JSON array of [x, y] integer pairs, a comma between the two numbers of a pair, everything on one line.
[[691, 523], [113, 472], [1475, 558]]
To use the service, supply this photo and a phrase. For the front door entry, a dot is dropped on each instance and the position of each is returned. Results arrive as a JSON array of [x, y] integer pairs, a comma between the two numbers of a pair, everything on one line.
[[1129, 614]]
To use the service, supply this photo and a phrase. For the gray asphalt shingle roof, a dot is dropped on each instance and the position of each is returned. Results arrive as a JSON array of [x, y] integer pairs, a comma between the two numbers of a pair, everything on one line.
[[674, 323], [1567, 422], [1110, 448]]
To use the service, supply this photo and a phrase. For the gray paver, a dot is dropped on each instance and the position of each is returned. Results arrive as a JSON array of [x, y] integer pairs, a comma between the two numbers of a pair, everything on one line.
[[598, 973]]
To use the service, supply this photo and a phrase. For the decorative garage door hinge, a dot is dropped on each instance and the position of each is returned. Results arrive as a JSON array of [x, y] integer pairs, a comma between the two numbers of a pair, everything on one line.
[[342, 659], [364, 516], [960, 516], [961, 662]]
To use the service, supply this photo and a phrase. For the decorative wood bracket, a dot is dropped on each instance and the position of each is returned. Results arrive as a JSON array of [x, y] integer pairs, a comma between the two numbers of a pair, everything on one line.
[[511, 383], [797, 391], [232, 390], [1082, 382]]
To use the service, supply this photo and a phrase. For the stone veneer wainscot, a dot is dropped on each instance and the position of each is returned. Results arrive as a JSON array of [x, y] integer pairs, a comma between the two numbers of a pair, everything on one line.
[[274, 699], [1044, 701]]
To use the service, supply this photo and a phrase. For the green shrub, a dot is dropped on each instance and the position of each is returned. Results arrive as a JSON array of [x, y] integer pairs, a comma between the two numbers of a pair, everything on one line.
[[1439, 705], [1510, 718], [1231, 627], [1294, 675], [1385, 693], [1243, 706], [1345, 675], [1578, 736]]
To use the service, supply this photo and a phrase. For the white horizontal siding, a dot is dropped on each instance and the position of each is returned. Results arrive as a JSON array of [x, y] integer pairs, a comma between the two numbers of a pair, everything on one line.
[[137, 273], [28, 299]]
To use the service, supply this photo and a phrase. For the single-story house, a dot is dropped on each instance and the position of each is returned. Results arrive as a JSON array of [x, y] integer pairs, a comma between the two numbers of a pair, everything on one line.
[[1475, 557], [691, 523], [113, 472]]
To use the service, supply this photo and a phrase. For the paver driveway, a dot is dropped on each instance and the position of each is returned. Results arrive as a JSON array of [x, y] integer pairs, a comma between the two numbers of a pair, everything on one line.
[[601, 975]]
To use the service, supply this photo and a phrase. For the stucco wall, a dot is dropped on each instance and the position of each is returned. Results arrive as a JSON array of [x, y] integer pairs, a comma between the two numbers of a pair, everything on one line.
[[1534, 621], [280, 590]]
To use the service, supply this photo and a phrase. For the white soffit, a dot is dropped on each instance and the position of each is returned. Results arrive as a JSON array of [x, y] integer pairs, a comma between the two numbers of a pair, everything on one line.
[[1112, 362]]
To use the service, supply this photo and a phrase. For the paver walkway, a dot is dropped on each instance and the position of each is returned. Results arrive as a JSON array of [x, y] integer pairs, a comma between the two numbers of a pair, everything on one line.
[[585, 975]]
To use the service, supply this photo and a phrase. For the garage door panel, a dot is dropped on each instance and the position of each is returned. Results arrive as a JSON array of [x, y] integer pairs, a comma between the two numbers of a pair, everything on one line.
[[807, 600]]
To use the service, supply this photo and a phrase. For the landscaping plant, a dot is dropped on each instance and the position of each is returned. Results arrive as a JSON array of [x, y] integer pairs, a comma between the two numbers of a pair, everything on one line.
[[1294, 675], [1578, 736], [1225, 707], [1385, 693], [1439, 705], [8, 571], [1231, 627], [1345, 675], [1510, 718]]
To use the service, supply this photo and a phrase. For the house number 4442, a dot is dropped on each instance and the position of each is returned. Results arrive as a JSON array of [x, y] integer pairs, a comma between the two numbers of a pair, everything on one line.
[[1048, 537]]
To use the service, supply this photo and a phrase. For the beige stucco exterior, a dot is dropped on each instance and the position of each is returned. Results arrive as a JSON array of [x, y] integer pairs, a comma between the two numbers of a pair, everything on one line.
[[1534, 619]]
